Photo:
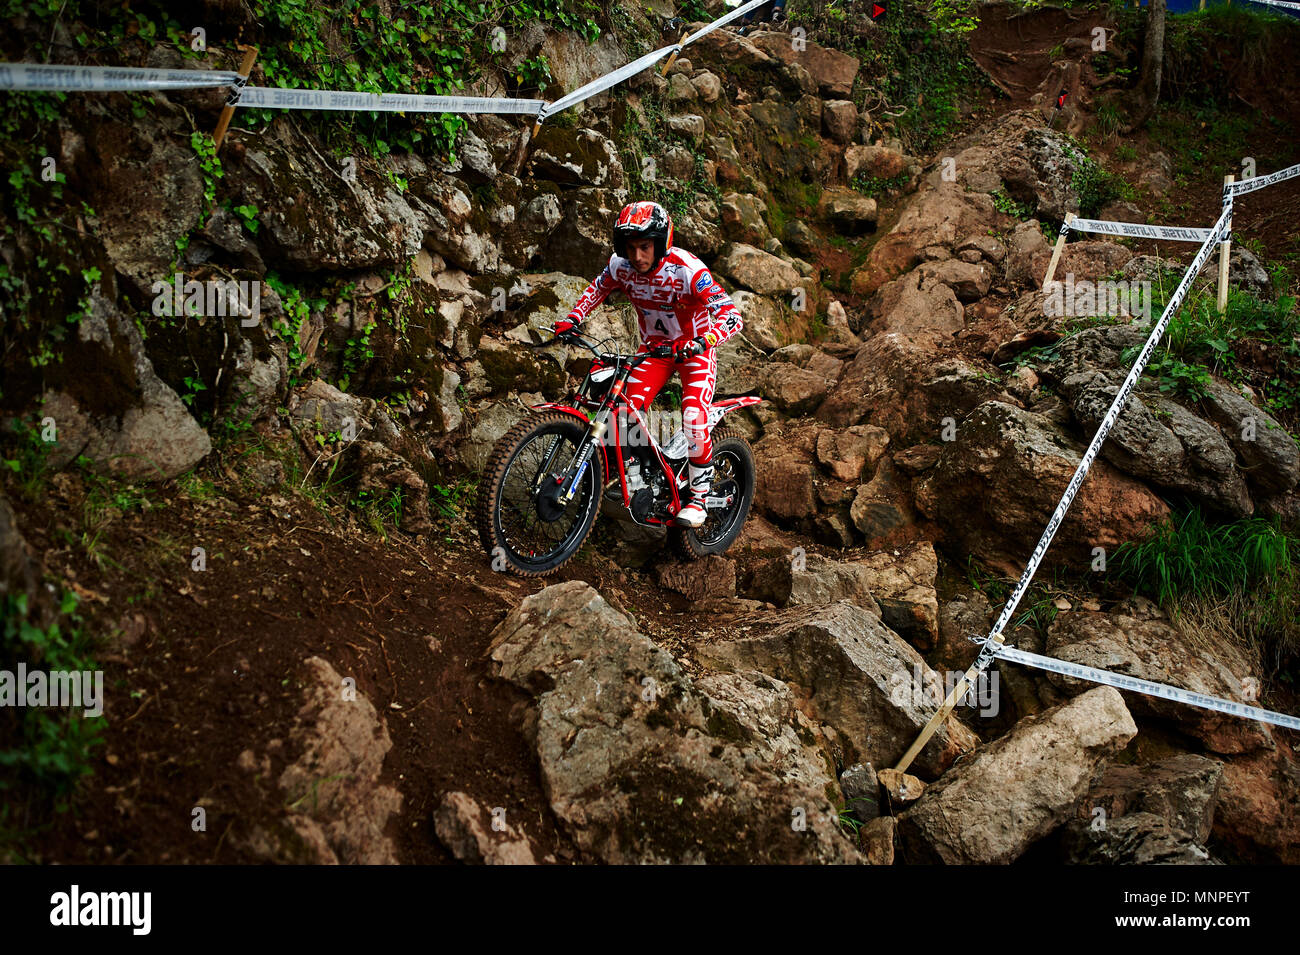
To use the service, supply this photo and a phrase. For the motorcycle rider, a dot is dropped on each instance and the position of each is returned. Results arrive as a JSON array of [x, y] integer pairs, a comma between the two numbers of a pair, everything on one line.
[[678, 303]]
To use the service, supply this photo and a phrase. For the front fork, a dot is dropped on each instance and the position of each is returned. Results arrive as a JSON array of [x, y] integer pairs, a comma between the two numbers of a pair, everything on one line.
[[581, 460]]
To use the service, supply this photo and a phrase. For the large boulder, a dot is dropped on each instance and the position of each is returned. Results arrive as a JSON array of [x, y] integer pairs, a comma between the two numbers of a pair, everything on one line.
[[576, 157], [758, 270], [832, 70], [339, 810], [919, 303], [1000, 479], [1177, 450], [1017, 789], [940, 216], [295, 192], [643, 764], [899, 381], [1270, 457], [850, 671], [108, 404], [846, 210], [1153, 650]]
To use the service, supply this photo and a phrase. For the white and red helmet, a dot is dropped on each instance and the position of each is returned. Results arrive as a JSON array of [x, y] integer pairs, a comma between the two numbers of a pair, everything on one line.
[[644, 220]]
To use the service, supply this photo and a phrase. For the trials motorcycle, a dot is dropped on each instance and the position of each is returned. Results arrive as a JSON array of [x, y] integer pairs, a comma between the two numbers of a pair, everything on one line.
[[544, 480]]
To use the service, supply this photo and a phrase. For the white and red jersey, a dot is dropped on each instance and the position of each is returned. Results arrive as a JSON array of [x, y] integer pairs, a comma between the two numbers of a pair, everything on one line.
[[678, 301]]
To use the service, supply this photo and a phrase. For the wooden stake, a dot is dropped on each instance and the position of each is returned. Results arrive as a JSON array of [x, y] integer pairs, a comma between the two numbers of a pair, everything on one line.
[[1056, 252], [245, 70], [672, 57], [1225, 248]]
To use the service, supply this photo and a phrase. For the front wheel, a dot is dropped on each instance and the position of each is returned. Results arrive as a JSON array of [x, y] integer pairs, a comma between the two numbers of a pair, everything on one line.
[[734, 474], [524, 521]]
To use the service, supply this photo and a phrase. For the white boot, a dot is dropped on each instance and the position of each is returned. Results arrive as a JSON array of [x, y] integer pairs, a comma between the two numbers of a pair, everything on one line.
[[692, 513]]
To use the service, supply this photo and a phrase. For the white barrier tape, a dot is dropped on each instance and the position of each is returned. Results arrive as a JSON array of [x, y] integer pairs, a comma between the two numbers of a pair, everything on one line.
[[278, 98], [1148, 688], [107, 79], [1207, 247], [1259, 182], [605, 82], [1137, 230], [1295, 7], [723, 21]]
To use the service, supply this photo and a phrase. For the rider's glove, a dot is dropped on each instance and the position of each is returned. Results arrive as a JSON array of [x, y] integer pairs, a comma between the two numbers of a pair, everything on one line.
[[565, 325], [697, 345]]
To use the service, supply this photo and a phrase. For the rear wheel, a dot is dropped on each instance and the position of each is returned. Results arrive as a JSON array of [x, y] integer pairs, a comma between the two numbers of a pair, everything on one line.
[[524, 521], [733, 474]]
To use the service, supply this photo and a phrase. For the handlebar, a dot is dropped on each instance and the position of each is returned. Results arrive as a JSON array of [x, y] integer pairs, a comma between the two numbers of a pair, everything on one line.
[[573, 338]]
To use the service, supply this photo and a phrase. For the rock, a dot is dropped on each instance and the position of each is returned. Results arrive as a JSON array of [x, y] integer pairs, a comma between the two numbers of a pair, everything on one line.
[[847, 668], [847, 210], [1247, 273], [800, 238], [798, 579], [323, 409], [1029, 255], [786, 472], [383, 471], [897, 382], [903, 584], [708, 86], [294, 192], [1001, 478], [334, 784], [1141, 838], [459, 822], [452, 226], [477, 165], [580, 157], [743, 217], [878, 837], [117, 411], [903, 788], [691, 126], [20, 574], [874, 162], [641, 764], [917, 304], [796, 391], [882, 505], [580, 244], [1154, 650], [1177, 451], [146, 190], [1269, 456], [488, 423], [681, 90], [832, 70], [918, 459], [757, 270], [1020, 787], [939, 216], [845, 453], [766, 321], [840, 117], [1182, 791], [986, 246], [1121, 211], [861, 791], [969, 281], [704, 579], [1258, 815]]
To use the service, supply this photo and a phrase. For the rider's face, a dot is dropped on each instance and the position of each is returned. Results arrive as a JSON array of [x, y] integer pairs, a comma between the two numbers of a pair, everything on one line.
[[641, 252]]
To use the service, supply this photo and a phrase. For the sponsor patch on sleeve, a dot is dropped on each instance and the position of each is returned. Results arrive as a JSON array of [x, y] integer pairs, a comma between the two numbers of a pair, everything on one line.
[[704, 281]]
